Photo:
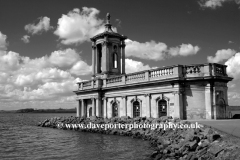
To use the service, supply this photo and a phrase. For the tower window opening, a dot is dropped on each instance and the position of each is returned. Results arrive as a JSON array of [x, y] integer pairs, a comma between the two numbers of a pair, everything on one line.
[[115, 57], [100, 57], [115, 60]]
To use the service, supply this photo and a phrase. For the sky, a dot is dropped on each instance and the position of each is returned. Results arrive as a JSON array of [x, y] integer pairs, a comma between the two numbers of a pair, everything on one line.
[[45, 46]]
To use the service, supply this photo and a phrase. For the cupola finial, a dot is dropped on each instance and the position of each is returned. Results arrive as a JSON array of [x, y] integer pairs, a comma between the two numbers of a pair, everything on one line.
[[108, 18], [108, 26]]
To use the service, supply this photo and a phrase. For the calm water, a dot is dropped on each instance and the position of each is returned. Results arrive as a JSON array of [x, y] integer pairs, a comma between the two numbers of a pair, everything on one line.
[[20, 138]]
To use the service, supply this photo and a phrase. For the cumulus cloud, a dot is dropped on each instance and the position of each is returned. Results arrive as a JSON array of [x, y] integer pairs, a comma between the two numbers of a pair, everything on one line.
[[221, 55], [9, 61], [157, 50], [234, 98], [47, 78], [3, 42], [233, 65], [25, 39], [79, 26], [42, 76], [148, 50], [64, 58], [43, 25], [81, 68], [184, 50], [213, 4], [135, 66]]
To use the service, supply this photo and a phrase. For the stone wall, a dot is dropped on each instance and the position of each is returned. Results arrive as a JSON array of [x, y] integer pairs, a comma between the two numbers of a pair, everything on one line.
[[194, 101]]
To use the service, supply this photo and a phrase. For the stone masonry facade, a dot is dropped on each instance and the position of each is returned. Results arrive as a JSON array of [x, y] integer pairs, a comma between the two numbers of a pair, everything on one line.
[[196, 91]]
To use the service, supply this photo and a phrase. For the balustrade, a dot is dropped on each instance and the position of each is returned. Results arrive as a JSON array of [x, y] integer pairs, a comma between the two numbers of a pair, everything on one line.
[[161, 72], [193, 69], [219, 69], [114, 80], [87, 83], [198, 70], [135, 77]]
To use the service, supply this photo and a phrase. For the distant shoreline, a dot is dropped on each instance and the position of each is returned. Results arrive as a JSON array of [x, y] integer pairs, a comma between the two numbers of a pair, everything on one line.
[[31, 110]]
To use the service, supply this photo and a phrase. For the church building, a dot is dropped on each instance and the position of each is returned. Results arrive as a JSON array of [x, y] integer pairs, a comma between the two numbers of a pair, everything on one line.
[[197, 91]]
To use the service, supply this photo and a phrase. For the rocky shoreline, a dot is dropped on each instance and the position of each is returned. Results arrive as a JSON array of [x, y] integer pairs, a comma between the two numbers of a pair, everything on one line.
[[203, 143]]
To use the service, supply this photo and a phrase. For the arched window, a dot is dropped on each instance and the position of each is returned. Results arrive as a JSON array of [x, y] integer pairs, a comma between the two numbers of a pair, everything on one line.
[[114, 60], [136, 109], [114, 109], [90, 111], [162, 108], [99, 49], [115, 57]]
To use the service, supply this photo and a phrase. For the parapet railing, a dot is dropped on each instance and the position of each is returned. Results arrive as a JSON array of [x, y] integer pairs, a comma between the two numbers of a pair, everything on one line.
[[159, 72], [138, 76], [114, 80], [178, 71]]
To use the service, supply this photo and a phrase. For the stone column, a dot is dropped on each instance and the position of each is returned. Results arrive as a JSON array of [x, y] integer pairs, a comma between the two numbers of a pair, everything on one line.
[[78, 109], [93, 107], [124, 106], [93, 58], [104, 107], [178, 105], [208, 102], [98, 107], [81, 85], [123, 57], [83, 108], [148, 105]]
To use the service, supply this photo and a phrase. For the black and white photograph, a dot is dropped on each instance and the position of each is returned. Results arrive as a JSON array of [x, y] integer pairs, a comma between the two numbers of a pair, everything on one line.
[[120, 80]]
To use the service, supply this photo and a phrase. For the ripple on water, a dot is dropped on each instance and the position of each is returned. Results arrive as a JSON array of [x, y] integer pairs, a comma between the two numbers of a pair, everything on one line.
[[20, 138]]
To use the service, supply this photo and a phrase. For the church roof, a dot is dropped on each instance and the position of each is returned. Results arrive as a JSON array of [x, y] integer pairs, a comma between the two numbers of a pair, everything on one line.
[[108, 31]]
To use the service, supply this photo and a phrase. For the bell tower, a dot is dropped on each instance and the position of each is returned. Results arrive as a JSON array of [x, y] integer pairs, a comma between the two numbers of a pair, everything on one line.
[[108, 53]]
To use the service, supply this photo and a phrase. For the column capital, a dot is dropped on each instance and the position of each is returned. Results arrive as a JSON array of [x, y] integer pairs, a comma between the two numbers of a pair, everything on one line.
[[93, 98], [104, 98], [93, 46], [148, 94], [124, 97]]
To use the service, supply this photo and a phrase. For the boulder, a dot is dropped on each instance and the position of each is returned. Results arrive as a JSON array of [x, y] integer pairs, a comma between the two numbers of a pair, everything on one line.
[[93, 118], [158, 157], [124, 118], [137, 119], [193, 145], [202, 152], [204, 143], [154, 154], [165, 118], [215, 149]]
